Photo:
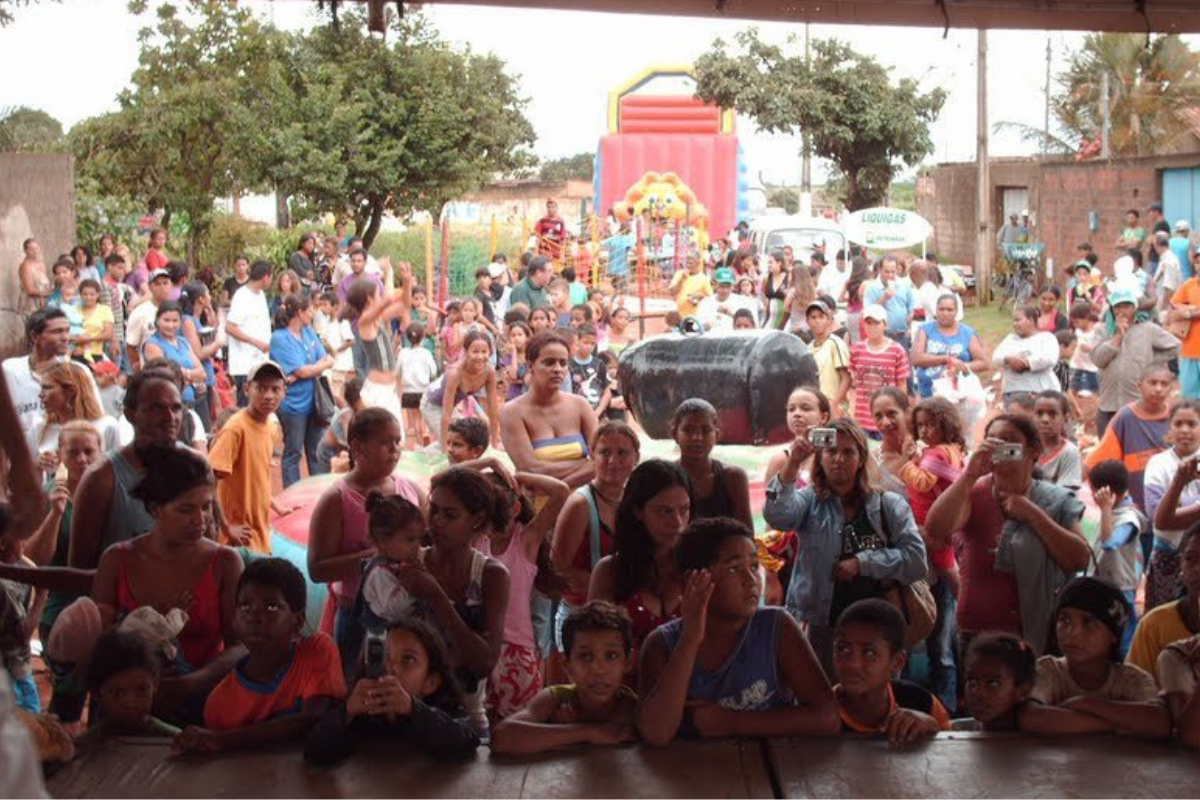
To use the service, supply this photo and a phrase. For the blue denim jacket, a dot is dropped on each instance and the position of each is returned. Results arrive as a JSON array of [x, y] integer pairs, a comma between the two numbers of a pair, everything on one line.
[[818, 525]]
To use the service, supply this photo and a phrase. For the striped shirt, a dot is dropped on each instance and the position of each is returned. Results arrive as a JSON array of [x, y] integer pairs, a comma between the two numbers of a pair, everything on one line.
[[872, 371], [1132, 439]]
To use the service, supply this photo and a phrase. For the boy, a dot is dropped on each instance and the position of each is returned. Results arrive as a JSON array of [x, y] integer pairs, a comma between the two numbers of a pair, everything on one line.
[[743, 320], [248, 327], [875, 362], [595, 708], [241, 460], [467, 439], [338, 338], [285, 681], [483, 296], [581, 314], [1138, 431], [589, 375], [766, 681], [577, 292], [1119, 557], [1066, 351], [829, 351], [1060, 462], [868, 649], [560, 302]]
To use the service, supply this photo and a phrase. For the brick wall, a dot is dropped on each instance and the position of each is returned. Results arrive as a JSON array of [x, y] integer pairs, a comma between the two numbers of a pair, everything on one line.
[[37, 198]]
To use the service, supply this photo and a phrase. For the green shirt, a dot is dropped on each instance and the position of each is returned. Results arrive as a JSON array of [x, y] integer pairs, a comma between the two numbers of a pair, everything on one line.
[[529, 294]]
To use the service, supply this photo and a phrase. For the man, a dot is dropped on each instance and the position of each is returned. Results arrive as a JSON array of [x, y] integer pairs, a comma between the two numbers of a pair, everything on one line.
[[301, 261], [833, 278], [1181, 246], [240, 277], [1154, 215], [156, 255], [249, 328], [105, 511], [532, 290], [241, 460], [345, 263], [896, 297], [141, 319], [358, 269], [35, 283], [48, 331], [618, 248], [551, 232], [816, 263], [1009, 232], [717, 310], [1169, 275], [690, 286], [118, 294]]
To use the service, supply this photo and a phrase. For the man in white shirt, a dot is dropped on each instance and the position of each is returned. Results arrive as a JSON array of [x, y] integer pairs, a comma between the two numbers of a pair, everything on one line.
[[249, 327], [716, 311], [141, 320], [833, 278], [1169, 275], [49, 337]]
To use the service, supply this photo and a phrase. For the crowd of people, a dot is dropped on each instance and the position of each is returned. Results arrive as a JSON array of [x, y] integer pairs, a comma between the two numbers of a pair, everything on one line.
[[923, 570]]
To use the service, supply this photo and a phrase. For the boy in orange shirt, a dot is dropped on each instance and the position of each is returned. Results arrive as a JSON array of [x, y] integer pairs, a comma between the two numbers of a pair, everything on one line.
[[285, 681]]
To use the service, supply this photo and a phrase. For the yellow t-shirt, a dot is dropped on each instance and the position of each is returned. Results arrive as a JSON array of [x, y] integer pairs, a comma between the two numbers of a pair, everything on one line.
[[1156, 630], [831, 357], [241, 458], [689, 285], [93, 325]]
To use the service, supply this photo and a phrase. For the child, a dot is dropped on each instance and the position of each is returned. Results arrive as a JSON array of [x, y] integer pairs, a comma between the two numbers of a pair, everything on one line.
[[284, 683], [451, 337], [1066, 351], [338, 338], [123, 675], [410, 694], [467, 439], [718, 490], [830, 352], [875, 363], [1138, 431], [417, 369], [1059, 462], [729, 667], [20, 608], [868, 649], [540, 320], [589, 376], [595, 708], [617, 410], [1084, 379], [560, 302], [1163, 570], [1021, 403], [1001, 669], [619, 334], [1088, 689], [577, 291], [1177, 675], [483, 297], [1119, 560], [426, 317], [1051, 319], [513, 362], [581, 313], [743, 320]]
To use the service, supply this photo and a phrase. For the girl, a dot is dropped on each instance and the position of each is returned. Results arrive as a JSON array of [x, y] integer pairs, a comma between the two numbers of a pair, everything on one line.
[[396, 527], [540, 320], [1027, 356], [332, 451], [426, 317], [513, 362], [718, 490], [620, 335], [521, 548], [1172, 501], [889, 407], [1084, 380], [460, 319], [97, 323], [1001, 669], [860, 275], [471, 381], [617, 410], [200, 320], [937, 423], [289, 283], [417, 698], [417, 369], [775, 289], [1059, 462], [1051, 319], [123, 675], [374, 313], [1088, 689]]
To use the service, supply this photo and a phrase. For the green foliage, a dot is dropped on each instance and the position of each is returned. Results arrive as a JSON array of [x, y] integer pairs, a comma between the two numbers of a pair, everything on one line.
[[845, 102], [577, 167], [784, 197], [98, 212], [7, 7], [903, 194], [1154, 84], [30, 130]]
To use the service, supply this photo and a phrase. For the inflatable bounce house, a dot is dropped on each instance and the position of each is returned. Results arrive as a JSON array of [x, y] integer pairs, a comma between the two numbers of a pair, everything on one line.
[[672, 156]]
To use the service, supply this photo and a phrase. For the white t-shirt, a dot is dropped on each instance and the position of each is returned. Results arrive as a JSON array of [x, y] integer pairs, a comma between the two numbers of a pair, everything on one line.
[[26, 389], [418, 369], [248, 310], [1160, 471], [338, 333], [832, 282], [140, 324], [1167, 279], [708, 311]]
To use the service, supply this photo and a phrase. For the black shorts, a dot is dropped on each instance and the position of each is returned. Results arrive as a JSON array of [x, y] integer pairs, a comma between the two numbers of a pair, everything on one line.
[[410, 399]]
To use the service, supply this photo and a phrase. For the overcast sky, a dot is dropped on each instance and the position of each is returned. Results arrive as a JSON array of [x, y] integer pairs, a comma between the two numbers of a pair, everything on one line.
[[71, 59]]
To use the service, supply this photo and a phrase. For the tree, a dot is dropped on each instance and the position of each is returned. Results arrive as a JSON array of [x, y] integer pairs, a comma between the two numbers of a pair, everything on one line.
[[6, 10], [360, 127], [30, 130], [571, 168], [845, 102], [1153, 83]]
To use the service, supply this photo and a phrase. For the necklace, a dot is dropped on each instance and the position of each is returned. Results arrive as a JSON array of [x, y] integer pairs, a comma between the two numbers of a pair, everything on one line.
[[596, 491]]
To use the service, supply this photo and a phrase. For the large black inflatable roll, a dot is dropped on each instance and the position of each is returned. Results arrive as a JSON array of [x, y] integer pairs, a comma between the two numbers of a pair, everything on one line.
[[746, 375]]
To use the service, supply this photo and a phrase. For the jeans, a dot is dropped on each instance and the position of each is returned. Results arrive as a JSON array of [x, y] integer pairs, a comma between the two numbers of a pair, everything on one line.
[[940, 647], [301, 434], [239, 382]]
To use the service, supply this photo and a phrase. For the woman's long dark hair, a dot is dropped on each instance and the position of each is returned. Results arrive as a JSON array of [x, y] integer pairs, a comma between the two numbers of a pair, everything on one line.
[[633, 558]]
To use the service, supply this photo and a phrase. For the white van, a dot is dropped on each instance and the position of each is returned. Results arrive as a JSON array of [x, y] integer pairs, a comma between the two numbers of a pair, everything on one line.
[[774, 232]]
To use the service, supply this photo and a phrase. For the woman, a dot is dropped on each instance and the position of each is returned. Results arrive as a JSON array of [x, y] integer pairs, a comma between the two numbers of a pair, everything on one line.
[[1132, 344], [641, 575], [289, 284], [802, 292], [775, 288], [98, 324], [84, 267], [67, 395], [199, 321], [889, 407], [945, 344], [174, 565], [620, 335], [337, 532], [1027, 356], [856, 284], [374, 313], [334, 444], [166, 342], [296, 348], [472, 381], [852, 537], [1021, 539]]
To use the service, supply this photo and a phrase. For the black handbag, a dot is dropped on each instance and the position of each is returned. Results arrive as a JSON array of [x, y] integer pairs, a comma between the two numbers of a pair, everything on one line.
[[324, 406]]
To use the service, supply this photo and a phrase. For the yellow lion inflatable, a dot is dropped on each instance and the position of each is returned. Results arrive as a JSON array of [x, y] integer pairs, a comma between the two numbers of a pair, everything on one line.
[[667, 199]]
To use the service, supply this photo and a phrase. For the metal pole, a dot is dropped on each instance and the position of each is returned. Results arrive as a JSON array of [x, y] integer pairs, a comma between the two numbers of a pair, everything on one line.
[[1106, 127], [1046, 118], [983, 243], [804, 200]]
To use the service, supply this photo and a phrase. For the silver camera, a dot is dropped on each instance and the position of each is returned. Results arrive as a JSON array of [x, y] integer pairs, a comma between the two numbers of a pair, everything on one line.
[[1008, 452], [823, 438]]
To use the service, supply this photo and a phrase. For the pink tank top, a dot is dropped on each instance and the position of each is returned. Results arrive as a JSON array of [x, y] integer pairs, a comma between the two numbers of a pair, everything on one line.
[[518, 623], [354, 530]]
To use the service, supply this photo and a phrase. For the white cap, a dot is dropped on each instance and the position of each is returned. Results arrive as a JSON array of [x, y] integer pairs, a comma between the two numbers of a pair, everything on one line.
[[496, 269], [1183, 225], [875, 311]]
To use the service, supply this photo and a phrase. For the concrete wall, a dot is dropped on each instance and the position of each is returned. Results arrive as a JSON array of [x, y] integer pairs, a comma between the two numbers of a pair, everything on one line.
[[37, 198]]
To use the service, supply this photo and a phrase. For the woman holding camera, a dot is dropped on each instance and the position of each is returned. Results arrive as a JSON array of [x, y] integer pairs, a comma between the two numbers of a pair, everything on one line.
[[856, 541], [1021, 536]]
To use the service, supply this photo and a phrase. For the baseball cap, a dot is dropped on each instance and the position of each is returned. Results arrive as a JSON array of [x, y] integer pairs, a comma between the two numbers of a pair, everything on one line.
[[821, 306], [1120, 296], [496, 269], [875, 311], [1183, 225], [159, 273], [725, 275], [1082, 263], [264, 370]]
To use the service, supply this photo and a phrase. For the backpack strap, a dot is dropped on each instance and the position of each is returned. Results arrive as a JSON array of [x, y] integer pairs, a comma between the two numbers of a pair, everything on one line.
[[586, 492]]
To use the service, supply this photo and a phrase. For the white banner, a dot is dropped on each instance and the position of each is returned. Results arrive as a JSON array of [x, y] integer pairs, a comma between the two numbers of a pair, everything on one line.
[[886, 228]]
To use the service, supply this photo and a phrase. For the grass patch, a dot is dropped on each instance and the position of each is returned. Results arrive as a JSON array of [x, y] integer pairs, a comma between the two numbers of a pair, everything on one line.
[[991, 325]]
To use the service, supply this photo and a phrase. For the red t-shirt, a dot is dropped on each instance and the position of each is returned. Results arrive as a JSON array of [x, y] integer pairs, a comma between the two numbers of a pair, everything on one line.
[[155, 259], [551, 231], [872, 371], [988, 599]]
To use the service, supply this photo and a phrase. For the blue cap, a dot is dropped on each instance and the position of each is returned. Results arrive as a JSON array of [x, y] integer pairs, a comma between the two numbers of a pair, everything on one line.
[[1120, 296]]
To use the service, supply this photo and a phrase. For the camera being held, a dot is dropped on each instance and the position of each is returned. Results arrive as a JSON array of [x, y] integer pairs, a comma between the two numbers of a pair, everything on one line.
[[823, 438]]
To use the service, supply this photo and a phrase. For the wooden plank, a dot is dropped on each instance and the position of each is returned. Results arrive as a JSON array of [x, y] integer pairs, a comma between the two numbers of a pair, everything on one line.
[[985, 765], [145, 768]]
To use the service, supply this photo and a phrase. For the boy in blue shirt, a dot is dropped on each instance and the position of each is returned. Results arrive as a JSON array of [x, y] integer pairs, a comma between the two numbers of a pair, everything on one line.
[[1119, 556]]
